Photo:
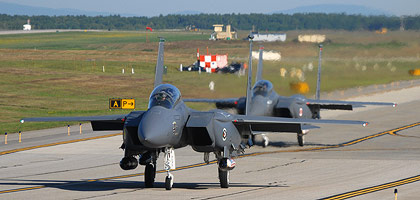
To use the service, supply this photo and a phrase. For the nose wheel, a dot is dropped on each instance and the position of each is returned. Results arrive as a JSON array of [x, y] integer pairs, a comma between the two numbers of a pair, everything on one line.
[[169, 181]]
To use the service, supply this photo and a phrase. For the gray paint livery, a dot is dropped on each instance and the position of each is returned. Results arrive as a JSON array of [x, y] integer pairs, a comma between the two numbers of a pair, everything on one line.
[[264, 101], [168, 124]]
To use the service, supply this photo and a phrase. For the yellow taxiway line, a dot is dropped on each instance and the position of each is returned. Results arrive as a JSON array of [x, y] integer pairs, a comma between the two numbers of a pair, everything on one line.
[[355, 193]]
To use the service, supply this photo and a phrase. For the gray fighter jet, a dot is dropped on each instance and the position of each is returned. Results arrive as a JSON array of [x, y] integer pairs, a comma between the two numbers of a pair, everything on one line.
[[266, 102], [169, 124]]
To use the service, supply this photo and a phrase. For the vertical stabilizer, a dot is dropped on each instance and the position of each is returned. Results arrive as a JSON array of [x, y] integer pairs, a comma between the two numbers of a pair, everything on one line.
[[318, 82], [159, 63], [249, 83], [260, 65]]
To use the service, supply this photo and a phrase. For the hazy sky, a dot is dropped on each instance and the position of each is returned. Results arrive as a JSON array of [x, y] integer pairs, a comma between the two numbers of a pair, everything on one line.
[[156, 7]]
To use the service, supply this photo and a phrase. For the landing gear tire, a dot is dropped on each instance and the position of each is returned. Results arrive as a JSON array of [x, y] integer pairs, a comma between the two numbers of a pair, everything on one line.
[[149, 175], [224, 178], [301, 140], [168, 182]]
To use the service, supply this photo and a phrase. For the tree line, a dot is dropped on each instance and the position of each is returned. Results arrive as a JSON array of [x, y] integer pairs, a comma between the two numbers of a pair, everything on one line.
[[270, 22]]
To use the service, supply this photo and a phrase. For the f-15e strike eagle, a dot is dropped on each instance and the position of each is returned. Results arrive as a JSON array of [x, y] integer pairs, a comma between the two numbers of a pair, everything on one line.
[[266, 102], [169, 124]]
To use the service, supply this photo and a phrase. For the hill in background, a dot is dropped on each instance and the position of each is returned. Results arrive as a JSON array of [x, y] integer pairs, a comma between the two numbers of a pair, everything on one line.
[[336, 8], [17, 9]]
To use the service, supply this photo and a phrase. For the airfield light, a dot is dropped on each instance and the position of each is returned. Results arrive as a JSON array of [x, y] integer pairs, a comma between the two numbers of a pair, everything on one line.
[[395, 193]]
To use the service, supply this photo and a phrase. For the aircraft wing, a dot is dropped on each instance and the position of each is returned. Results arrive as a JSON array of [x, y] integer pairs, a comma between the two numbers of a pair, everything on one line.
[[83, 118], [344, 105], [280, 124], [227, 100], [99, 123], [220, 103], [302, 127]]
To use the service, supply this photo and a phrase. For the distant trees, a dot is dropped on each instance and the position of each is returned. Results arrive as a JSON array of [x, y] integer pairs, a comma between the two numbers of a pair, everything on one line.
[[273, 22]]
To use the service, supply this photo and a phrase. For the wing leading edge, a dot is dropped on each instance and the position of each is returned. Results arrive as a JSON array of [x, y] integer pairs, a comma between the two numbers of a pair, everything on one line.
[[81, 118], [344, 105], [227, 100], [220, 103], [279, 124], [99, 123]]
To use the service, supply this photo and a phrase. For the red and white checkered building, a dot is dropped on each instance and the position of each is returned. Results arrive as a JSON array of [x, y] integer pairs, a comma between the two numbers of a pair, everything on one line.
[[211, 62]]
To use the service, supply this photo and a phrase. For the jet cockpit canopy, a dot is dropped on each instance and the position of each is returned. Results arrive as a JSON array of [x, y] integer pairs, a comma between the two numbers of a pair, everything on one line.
[[263, 88], [165, 95]]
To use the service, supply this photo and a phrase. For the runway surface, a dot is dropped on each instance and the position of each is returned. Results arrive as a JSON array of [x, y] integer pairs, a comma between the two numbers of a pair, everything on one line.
[[338, 162], [12, 32]]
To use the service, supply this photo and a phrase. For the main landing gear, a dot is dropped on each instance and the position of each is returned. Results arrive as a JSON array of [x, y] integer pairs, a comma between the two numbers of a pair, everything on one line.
[[224, 178], [149, 175], [301, 137], [225, 165], [149, 160]]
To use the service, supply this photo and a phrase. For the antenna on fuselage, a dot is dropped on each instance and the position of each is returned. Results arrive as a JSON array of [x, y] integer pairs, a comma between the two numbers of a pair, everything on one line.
[[159, 63], [318, 82], [260, 64], [249, 86]]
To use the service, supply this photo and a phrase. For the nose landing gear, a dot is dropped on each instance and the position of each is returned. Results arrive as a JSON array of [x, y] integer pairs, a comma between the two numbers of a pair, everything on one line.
[[169, 163]]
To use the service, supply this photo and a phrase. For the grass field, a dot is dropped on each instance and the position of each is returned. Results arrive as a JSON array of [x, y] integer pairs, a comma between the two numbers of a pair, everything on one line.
[[60, 74]]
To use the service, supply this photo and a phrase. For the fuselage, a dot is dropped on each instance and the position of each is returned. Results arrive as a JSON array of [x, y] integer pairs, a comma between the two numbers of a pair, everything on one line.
[[162, 124], [266, 102], [168, 122], [263, 99]]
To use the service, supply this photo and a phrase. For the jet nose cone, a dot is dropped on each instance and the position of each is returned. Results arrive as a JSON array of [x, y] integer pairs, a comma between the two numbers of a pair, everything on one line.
[[151, 136], [153, 132]]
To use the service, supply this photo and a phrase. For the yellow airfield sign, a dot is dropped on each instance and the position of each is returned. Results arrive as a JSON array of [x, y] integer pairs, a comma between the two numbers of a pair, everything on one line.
[[122, 103], [128, 103], [114, 103]]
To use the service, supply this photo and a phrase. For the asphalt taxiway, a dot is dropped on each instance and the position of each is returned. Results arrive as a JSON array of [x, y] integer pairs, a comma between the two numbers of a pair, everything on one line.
[[338, 162]]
